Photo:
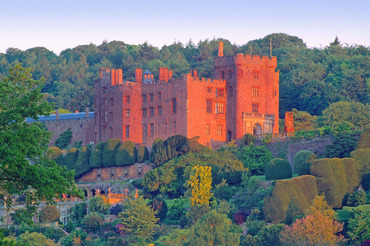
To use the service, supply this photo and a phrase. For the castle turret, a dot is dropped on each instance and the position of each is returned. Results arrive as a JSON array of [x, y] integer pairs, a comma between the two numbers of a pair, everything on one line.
[[220, 49]]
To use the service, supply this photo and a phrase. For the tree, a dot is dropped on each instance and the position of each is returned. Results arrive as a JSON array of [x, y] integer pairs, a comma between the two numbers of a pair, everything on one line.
[[137, 218], [64, 139], [303, 121], [200, 185], [92, 222], [23, 169], [35, 239], [49, 213], [99, 204]]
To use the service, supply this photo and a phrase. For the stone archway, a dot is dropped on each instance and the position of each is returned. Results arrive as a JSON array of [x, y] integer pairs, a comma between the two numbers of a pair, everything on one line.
[[257, 129], [93, 192], [228, 136]]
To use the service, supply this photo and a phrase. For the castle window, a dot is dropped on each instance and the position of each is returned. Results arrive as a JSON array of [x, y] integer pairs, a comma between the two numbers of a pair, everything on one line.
[[127, 113], [219, 108], [144, 112], [230, 91], [173, 105], [219, 129], [144, 98], [106, 116], [105, 102], [254, 107], [127, 99], [209, 106], [241, 73], [165, 128], [151, 109], [159, 110], [110, 132], [151, 97], [127, 131], [208, 129], [152, 130], [275, 92], [145, 131], [209, 89], [220, 92], [255, 91], [159, 96], [174, 127], [255, 75]]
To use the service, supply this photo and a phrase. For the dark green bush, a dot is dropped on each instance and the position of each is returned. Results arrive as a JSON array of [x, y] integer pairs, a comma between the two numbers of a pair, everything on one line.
[[82, 162], [142, 154], [109, 152], [366, 182], [342, 145], [71, 158], [355, 199], [126, 154], [64, 139], [255, 158], [160, 205], [49, 213], [302, 162], [247, 139], [154, 148], [96, 157], [278, 169]]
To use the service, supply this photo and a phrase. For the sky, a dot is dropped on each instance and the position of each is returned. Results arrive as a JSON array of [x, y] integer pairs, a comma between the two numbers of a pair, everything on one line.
[[61, 24]]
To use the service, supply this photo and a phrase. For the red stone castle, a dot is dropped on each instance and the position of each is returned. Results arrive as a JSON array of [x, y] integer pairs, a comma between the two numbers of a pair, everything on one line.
[[242, 97]]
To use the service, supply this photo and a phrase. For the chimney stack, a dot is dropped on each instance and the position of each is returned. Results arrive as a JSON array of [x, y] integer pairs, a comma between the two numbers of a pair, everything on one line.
[[138, 75], [220, 49]]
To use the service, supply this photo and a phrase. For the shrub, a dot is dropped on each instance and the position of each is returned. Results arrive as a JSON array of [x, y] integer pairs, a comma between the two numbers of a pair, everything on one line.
[[154, 148], [142, 154], [70, 158], [78, 212], [116, 209], [247, 139], [64, 139], [302, 162], [342, 146], [99, 205], [362, 157], [160, 205], [82, 162], [366, 182], [302, 189], [278, 169], [365, 139], [53, 153], [255, 158], [109, 152], [49, 213], [355, 199], [126, 154], [92, 221], [96, 157], [335, 178]]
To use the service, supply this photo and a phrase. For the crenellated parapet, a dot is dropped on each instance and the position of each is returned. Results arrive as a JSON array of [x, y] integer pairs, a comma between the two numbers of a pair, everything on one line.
[[245, 59]]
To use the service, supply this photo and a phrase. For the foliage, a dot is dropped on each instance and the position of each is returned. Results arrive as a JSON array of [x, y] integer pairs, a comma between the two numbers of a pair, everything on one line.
[[335, 178], [49, 213], [362, 157], [359, 227], [64, 139], [96, 157], [126, 154], [266, 236], [247, 140], [255, 158], [355, 199], [317, 228], [176, 209], [82, 162], [71, 158], [213, 229], [137, 218], [116, 209], [53, 153], [364, 141], [301, 189], [23, 169], [366, 182], [159, 204], [342, 146], [200, 185], [302, 162], [98, 204], [109, 152], [76, 237], [92, 222], [78, 212], [35, 239], [142, 154], [303, 121], [278, 169]]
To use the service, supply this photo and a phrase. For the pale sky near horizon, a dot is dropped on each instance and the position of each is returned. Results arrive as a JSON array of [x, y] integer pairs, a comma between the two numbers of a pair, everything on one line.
[[62, 24]]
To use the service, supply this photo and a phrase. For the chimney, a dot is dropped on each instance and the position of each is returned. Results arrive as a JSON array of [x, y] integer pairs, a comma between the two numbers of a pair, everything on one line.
[[170, 74], [289, 122], [116, 76], [220, 49], [194, 73], [138, 75], [87, 112], [163, 74]]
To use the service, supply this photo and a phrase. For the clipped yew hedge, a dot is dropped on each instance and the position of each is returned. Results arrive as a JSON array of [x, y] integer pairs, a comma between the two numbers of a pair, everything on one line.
[[109, 152], [362, 157], [70, 158], [302, 190], [364, 139], [335, 178], [278, 169], [96, 157], [142, 154], [82, 162], [302, 162], [126, 154]]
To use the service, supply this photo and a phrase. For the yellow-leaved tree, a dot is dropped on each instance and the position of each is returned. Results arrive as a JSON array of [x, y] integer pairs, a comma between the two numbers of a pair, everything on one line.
[[200, 185]]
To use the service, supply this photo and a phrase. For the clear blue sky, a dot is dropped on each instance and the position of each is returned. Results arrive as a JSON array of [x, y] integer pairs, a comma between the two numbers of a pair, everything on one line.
[[62, 24]]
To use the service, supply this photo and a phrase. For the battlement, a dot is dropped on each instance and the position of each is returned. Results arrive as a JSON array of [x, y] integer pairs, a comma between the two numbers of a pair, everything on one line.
[[111, 76], [245, 59]]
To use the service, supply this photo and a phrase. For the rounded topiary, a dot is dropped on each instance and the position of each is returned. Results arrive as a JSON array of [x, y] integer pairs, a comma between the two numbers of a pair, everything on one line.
[[82, 163], [70, 158], [126, 154], [109, 152], [278, 169], [366, 182], [154, 149], [96, 156], [49, 213], [142, 154], [302, 162]]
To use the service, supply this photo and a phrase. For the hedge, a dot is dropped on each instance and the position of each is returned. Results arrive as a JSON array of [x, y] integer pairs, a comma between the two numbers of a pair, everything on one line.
[[96, 157], [364, 139], [302, 162], [301, 190], [362, 157], [335, 178], [70, 158], [109, 152], [126, 154], [142, 154], [82, 163], [278, 169]]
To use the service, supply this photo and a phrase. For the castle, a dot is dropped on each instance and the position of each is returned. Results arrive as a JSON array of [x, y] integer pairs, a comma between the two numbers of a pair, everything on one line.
[[242, 97]]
